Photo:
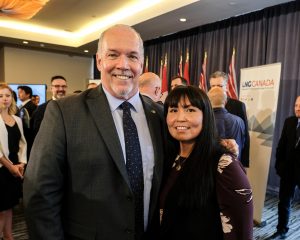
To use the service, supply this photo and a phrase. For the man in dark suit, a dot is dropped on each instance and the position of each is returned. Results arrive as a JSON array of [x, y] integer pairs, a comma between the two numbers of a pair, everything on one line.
[[150, 86], [236, 107], [26, 110], [287, 166], [229, 126], [25, 95], [59, 90], [77, 183]]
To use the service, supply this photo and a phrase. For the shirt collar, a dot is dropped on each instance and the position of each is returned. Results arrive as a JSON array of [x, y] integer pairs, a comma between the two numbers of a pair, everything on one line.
[[114, 102], [26, 101]]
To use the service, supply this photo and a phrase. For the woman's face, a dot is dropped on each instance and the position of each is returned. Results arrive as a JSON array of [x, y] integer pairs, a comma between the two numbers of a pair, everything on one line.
[[184, 121], [5, 98]]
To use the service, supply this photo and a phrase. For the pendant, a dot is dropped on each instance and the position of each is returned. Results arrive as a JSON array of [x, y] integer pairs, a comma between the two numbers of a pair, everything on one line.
[[178, 167]]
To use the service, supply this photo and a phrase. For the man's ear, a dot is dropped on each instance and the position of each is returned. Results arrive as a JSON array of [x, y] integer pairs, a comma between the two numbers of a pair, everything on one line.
[[98, 61]]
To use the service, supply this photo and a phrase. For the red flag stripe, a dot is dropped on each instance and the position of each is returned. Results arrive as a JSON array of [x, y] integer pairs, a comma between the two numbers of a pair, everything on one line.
[[232, 85], [186, 68]]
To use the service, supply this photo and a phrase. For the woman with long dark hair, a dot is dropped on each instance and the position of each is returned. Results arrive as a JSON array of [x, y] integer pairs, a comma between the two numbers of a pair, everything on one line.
[[12, 159], [206, 194]]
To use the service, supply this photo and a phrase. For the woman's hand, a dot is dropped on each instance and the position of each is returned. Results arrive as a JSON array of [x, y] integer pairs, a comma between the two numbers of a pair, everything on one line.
[[231, 146], [17, 170]]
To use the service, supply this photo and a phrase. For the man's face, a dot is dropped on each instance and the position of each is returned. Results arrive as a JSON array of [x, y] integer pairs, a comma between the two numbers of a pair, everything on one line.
[[297, 107], [176, 82], [218, 82], [22, 95], [58, 88], [120, 61]]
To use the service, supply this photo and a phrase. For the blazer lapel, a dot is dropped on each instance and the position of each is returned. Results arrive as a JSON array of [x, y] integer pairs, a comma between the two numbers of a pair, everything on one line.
[[101, 113], [155, 128], [3, 138]]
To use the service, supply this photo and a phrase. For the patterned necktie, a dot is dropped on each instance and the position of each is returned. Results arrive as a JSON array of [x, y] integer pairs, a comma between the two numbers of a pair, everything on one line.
[[134, 165]]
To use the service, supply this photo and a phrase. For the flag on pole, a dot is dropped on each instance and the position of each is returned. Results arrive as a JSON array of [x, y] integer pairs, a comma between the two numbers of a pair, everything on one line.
[[186, 74], [146, 65], [232, 84], [180, 67], [163, 75], [202, 83]]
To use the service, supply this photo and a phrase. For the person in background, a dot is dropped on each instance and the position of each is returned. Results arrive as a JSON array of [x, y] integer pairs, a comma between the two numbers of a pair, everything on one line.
[[96, 165], [207, 194], [178, 81], [91, 85], [26, 110], [25, 95], [59, 90], [287, 167], [150, 86], [233, 106], [229, 126], [35, 99], [12, 159]]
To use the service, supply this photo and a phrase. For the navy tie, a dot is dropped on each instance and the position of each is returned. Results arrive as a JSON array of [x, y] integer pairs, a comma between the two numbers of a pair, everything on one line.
[[134, 165]]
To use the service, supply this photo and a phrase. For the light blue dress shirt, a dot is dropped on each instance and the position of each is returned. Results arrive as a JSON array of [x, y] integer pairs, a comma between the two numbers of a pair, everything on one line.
[[140, 120]]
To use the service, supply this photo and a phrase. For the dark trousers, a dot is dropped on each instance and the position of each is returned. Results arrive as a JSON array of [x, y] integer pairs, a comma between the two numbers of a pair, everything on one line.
[[286, 194]]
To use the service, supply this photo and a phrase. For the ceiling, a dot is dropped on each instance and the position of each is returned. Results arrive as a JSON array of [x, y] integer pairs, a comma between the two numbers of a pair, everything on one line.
[[72, 26]]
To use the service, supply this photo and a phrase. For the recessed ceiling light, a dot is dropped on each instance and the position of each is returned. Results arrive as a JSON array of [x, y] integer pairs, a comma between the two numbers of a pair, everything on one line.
[[232, 3], [25, 42], [86, 51], [182, 19]]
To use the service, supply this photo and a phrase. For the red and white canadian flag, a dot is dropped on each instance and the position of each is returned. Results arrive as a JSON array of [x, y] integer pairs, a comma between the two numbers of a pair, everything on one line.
[[163, 74], [202, 82], [186, 69], [232, 84]]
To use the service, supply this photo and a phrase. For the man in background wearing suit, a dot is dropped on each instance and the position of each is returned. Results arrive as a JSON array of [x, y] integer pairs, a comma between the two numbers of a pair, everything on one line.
[[59, 90], [77, 183], [287, 166], [26, 110], [150, 86], [236, 107], [178, 81]]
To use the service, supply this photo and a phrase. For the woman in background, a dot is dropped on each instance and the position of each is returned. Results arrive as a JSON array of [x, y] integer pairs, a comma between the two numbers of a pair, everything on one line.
[[12, 159], [206, 194]]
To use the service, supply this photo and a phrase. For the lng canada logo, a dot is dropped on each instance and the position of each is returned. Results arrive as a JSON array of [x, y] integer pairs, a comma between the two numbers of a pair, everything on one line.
[[264, 83]]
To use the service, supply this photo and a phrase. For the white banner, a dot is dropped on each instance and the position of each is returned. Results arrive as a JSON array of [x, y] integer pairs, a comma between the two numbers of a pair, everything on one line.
[[259, 88]]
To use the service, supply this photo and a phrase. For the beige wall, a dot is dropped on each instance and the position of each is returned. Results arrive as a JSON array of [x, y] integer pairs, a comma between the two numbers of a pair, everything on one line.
[[32, 66]]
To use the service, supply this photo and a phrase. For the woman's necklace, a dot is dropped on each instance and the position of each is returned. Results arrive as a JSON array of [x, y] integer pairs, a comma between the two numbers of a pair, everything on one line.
[[178, 163]]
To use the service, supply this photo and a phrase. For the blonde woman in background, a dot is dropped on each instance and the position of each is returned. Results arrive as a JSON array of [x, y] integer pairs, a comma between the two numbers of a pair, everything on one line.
[[12, 159]]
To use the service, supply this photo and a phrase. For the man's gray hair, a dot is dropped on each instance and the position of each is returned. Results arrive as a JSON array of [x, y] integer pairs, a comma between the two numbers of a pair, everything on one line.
[[220, 74], [124, 27]]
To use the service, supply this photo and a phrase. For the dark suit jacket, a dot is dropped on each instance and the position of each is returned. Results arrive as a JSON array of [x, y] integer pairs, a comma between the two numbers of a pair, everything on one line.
[[287, 155], [76, 184], [30, 107], [238, 108], [37, 118]]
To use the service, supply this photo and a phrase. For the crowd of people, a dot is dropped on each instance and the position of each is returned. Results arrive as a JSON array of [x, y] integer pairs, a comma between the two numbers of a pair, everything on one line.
[[115, 162]]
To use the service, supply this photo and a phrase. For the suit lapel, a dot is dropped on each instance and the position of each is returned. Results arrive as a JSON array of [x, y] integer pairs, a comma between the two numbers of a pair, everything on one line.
[[155, 128], [101, 113]]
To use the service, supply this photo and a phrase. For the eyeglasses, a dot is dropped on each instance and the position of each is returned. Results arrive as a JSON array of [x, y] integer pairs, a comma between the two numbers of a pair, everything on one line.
[[60, 86]]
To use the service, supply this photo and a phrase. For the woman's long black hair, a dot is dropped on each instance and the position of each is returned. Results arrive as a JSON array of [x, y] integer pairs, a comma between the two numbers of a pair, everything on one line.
[[197, 179]]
